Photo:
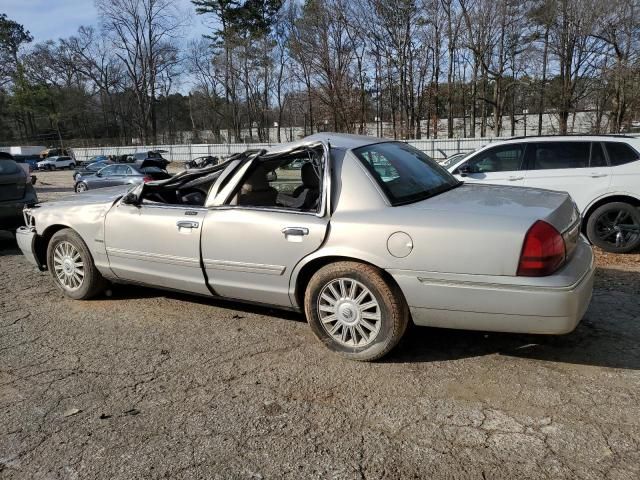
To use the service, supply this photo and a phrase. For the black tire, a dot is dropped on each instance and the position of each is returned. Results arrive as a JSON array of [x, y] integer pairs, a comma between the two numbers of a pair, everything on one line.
[[604, 227], [81, 187], [393, 311], [72, 166], [92, 282]]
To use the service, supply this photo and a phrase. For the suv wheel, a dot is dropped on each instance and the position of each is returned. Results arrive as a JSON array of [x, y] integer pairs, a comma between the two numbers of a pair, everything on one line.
[[71, 266], [354, 311], [615, 227]]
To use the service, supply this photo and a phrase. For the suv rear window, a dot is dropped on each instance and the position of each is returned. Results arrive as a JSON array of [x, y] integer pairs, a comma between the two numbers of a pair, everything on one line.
[[554, 155], [620, 153], [8, 167]]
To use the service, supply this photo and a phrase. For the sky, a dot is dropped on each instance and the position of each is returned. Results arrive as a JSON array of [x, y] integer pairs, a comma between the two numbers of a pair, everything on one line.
[[52, 19]]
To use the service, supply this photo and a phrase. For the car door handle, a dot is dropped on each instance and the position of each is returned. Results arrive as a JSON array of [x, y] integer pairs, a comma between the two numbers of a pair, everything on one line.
[[513, 179], [597, 175], [187, 224], [297, 231]]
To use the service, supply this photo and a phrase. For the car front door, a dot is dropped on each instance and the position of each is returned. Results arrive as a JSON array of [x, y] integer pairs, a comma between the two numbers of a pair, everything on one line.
[[579, 168], [502, 165], [156, 244], [250, 247]]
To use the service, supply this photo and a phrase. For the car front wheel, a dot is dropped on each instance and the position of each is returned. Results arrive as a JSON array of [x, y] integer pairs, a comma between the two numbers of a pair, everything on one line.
[[355, 311], [81, 187], [71, 266], [615, 227]]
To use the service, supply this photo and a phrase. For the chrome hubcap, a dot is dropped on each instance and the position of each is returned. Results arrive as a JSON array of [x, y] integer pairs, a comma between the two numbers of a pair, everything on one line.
[[349, 312], [68, 265]]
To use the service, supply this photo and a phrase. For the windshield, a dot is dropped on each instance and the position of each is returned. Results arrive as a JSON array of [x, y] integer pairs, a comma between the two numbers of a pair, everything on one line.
[[404, 173]]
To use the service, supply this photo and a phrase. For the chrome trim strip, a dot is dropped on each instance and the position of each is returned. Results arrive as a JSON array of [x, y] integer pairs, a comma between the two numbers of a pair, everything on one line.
[[245, 267], [502, 286], [154, 257]]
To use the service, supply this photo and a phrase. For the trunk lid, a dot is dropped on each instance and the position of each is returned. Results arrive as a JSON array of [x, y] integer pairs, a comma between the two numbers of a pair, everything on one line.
[[480, 229], [555, 208], [13, 181]]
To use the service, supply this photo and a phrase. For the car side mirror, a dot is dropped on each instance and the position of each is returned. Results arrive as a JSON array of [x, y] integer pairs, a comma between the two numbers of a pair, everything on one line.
[[130, 199], [272, 176], [464, 170], [98, 174]]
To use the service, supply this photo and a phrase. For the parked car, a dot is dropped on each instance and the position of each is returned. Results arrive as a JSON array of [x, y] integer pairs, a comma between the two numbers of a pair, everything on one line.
[[601, 173], [139, 157], [95, 159], [31, 160], [375, 235], [89, 169], [119, 175], [16, 191], [201, 162], [54, 163]]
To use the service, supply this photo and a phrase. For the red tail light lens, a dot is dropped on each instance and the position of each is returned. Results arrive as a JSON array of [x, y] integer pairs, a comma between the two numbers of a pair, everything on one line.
[[147, 178], [543, 251]]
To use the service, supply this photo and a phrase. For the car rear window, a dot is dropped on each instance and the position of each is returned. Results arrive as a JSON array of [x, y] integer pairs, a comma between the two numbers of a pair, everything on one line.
[[9, 167], [620, 153], [404, 173], [552, 155]]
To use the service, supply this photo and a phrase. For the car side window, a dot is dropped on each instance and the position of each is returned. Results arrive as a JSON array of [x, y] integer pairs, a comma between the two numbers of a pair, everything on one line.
[[556, 155], [505, 158], [597, 156], [108, 171], [121, 170], [291, 183], [620, 153]]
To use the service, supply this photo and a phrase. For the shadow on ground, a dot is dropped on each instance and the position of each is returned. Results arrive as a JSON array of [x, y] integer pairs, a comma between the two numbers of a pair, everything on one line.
[[609, 335]]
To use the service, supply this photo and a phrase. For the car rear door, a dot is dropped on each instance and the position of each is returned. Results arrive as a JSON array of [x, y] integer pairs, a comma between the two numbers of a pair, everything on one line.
[[501, 165], [250, 251], [577, 167]]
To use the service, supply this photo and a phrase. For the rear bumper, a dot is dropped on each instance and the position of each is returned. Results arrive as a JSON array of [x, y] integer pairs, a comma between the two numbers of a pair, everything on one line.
[[545, 305], [26, 237]]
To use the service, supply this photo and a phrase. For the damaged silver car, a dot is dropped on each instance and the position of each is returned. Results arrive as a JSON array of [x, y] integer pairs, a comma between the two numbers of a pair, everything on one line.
[[365, 236]]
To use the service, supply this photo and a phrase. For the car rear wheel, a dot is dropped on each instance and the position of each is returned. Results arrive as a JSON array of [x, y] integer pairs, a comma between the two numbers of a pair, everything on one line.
[[81, 187], [71, 266], [355, 311], [615, 227], [72, 166]]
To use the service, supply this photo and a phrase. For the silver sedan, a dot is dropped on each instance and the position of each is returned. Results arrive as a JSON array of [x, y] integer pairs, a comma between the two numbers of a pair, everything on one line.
[[365, 236]]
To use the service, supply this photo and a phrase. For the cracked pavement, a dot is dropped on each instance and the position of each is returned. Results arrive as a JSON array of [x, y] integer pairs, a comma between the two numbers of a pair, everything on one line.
[[150, 384]]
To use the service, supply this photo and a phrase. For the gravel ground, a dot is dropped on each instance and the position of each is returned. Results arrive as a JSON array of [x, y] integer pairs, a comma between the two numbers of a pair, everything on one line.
[[149, 384]]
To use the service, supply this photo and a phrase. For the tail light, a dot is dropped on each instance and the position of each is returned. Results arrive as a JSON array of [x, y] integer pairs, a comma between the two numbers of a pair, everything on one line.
[[147, 178], [543, 251]]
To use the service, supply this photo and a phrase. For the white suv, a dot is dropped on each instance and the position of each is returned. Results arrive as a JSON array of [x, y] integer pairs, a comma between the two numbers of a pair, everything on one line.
[[53, 163], [601, 173]]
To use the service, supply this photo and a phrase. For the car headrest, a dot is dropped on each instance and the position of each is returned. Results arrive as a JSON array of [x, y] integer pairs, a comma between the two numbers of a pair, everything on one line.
[[257, 181], [310, 176]]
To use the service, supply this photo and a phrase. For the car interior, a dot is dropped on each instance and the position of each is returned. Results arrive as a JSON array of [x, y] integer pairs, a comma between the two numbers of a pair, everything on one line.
[[290, 180]]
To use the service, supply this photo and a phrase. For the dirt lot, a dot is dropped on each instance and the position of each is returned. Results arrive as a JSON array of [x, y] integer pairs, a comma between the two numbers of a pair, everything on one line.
[[146, 384]]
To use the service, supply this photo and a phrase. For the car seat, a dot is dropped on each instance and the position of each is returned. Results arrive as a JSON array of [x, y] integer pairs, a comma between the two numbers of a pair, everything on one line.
[[256, 190], [307, 194]]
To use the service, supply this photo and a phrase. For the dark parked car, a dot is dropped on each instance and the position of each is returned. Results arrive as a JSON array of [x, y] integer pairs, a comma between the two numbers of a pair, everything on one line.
[[90, 169], [16, 191], [94, 159], [120, 174]]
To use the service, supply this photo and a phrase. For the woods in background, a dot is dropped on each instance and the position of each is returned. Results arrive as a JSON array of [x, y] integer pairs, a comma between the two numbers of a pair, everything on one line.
[[353, 66]]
